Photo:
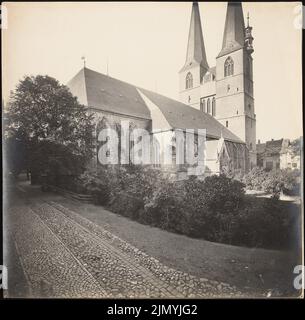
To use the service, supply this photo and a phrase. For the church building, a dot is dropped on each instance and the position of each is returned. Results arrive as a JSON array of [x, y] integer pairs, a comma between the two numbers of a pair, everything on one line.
[[224, 91], [218, 100]]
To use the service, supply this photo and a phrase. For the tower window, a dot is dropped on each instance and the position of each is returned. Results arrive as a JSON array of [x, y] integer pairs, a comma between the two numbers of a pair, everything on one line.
[[202, 105], [250, 145], [227, 124], [189, 81], [209, 106], [213, 107], [229, 67]]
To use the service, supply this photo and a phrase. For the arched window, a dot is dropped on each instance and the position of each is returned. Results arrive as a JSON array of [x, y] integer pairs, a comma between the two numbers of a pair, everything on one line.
[[189, 81], [229, 67], [202, 105], [213, 107], [250, 145], [209, 106]]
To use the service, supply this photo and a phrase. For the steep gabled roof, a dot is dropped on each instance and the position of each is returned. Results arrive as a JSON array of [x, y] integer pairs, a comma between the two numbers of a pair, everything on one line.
[[182, 116], [105, 93], [100, 91], [274, 146], [270, 147]]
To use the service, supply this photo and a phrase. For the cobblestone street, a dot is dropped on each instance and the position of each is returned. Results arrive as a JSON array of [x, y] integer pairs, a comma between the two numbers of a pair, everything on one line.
[[53, 248], [63, 254]]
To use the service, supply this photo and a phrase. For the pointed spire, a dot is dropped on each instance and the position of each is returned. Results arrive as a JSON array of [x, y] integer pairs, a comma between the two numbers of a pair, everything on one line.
[[234, 32], [195, 47]]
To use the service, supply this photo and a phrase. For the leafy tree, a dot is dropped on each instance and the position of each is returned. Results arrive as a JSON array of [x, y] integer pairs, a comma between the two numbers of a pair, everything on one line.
[[274, 181], [52, 123], [15, 151], [255, 178], [295, 146]]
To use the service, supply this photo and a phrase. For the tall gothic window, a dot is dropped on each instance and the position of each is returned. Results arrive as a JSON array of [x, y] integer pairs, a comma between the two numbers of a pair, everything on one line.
[[229, 67], [213, 107], [189, 81], [209, 106], [202, 105]]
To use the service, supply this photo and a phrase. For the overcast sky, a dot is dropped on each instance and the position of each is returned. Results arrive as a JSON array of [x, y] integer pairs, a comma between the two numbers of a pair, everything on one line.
[[145, 45]]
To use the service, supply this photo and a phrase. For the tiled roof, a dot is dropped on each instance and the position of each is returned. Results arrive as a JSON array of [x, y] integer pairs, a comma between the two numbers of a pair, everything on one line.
[[100, 91], [105, 93], [270, 147], [274, 146], [182, 116]]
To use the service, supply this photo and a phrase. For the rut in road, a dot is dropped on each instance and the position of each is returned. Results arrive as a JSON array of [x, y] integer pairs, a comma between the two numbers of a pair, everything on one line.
[[50, 268], [116, 272]]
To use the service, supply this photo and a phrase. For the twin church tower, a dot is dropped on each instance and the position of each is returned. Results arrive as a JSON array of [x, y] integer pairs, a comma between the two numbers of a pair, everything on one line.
[[224, 91]]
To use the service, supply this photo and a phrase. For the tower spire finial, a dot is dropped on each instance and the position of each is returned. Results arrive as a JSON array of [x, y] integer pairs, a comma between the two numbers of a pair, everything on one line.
[[84, 60], [248, 19]]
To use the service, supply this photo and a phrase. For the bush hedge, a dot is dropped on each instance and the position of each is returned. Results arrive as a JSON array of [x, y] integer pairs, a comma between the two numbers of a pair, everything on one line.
[[274, 182], [215, 209]]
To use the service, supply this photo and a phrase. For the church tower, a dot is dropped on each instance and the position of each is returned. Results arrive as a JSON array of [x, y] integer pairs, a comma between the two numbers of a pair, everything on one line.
[[196, 65], [234, 79]]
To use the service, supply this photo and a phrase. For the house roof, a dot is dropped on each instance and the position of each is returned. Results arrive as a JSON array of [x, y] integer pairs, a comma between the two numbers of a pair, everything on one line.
[[105, 93], [270, 147]]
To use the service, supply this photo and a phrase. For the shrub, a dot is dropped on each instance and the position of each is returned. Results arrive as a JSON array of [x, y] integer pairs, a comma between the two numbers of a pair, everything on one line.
[[263, 223], [195, 207], [274, 182], [255, 178], [280, 181], [215, 208], [165, 208], [96, 182], [127, 205]]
